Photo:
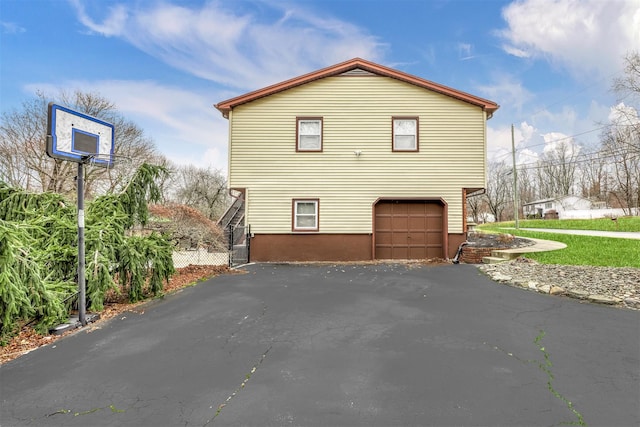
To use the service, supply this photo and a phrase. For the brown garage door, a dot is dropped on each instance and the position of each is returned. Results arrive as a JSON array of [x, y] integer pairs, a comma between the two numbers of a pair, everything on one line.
[[409, 229]]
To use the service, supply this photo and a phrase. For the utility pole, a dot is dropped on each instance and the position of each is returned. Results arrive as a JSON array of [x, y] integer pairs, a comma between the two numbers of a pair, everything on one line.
[[515, 179]]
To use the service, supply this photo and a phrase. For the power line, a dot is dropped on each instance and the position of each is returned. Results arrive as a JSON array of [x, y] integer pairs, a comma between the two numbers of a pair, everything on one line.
[[572, 162], [579, 134]]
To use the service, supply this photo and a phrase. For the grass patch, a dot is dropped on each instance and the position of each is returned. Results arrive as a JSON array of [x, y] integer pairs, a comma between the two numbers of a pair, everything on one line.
[[580, 250], [627, 223]]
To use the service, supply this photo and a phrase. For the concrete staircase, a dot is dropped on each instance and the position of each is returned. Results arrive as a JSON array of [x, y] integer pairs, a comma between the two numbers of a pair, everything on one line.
[[233, 218]]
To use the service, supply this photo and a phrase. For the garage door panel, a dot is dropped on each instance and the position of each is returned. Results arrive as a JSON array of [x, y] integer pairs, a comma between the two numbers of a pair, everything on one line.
[[434, 252], [417, 223], [415, 208], [400, 222], [433, 208], [384, 252], [417, 238], [400, 209], [417, 253], [434, 223], [384, 209], [383, 222], [409, 229], [400, 252], [435, 239], [384, 238], [400, 238]]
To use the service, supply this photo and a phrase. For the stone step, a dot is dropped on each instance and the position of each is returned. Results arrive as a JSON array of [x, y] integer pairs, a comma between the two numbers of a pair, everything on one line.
[[493, 260], [501, 253]]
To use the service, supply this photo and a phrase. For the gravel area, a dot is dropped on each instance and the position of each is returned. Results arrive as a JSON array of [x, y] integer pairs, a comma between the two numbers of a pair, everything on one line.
[[619, 286]]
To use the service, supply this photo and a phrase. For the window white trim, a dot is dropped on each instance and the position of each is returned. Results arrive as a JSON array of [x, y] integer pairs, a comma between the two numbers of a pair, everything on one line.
[[309, 134], [405, 133], [304, 218]]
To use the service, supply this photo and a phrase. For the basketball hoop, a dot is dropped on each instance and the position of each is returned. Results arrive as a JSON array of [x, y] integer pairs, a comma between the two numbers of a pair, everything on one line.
[[82, 139], [79, 138]]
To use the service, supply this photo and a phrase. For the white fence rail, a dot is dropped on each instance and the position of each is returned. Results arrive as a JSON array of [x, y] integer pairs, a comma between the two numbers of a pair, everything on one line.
[[594, 213]]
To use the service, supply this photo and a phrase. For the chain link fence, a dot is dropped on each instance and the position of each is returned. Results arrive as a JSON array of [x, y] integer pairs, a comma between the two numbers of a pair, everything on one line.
[[199, 256], [239, 244], [238, 252]]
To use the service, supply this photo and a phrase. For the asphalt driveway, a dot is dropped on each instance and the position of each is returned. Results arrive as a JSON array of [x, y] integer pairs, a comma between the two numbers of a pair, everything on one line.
[[339, 345]]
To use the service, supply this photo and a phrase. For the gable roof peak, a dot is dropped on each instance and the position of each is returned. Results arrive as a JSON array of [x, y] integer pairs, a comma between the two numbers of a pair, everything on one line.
[[356, 63]]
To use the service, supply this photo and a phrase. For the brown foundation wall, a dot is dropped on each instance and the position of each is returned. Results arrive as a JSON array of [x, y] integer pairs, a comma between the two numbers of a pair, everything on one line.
[[310, 247], [322, 247], [455, 240]]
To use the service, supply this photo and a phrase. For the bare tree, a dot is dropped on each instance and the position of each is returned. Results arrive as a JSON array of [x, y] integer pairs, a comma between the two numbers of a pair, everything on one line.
[[499, 188], [527, 186], [203, 189], [621, 141], [593, 176], [23, 160], [474, 208], [557, 169], [629, 83], [620, 145]]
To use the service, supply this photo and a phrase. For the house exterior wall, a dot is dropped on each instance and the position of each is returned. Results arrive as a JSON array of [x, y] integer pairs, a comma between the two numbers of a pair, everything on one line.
[[357, 115]]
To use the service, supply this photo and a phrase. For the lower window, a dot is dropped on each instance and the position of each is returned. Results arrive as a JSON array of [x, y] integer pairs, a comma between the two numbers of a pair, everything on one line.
[[305, 214]]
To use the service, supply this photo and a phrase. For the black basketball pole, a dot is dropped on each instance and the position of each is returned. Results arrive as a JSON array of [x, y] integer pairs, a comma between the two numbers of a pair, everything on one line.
[[82, 302]]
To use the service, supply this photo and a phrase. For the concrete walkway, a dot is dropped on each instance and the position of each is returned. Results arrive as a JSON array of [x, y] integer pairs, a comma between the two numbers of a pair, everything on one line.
[[539, 246], [502, 255], [614, 234]]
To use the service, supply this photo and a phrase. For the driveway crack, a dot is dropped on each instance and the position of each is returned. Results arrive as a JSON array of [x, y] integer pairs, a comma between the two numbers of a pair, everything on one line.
[[545, 366], [242, 385]]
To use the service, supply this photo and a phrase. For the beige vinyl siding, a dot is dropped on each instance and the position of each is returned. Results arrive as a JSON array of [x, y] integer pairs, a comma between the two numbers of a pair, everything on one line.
[[357, 114]]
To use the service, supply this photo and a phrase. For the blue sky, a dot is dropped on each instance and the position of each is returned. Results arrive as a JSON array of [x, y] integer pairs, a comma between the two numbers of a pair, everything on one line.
[[548, 63]]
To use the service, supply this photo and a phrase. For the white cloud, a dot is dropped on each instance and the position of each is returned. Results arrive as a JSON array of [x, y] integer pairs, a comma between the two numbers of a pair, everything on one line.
[[246, 50], [113, 24], [508, 92], [527, 131], [465, 51], [428, 53], [622, 114], [584, 36], [520, 53], [526, 156], [11, 28], [499, 145], [558, 142]]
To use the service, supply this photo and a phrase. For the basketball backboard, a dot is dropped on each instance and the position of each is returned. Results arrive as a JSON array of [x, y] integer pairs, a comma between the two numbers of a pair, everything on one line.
[[77, 137]]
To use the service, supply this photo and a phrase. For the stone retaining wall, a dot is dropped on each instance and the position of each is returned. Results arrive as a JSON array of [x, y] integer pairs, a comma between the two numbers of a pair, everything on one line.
[[473, 255]]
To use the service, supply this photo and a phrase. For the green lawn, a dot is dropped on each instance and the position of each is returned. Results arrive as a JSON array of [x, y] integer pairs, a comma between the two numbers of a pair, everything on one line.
[[581, 250]]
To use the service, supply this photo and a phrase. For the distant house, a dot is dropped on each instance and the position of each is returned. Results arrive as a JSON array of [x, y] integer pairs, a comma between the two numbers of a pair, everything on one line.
[[356, 161], [557, 205]]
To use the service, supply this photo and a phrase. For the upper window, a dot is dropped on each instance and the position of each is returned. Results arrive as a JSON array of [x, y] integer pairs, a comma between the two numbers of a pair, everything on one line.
[[305, 215], [309, 134], [405, 134]]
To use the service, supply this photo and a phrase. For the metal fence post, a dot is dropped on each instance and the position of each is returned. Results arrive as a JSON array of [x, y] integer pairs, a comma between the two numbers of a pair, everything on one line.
[[248, 242], [230, 245]]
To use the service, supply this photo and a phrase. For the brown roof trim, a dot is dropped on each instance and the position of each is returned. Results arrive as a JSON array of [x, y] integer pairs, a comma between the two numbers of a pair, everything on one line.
[[228, 105]]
